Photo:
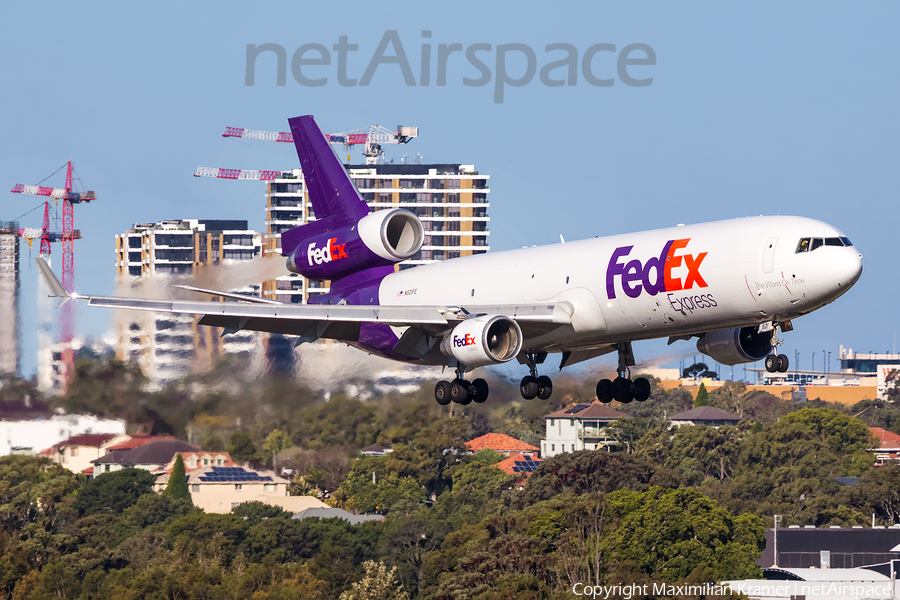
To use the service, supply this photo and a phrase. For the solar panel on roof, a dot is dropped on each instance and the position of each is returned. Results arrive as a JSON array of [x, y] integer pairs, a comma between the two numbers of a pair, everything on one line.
[[577, 408]]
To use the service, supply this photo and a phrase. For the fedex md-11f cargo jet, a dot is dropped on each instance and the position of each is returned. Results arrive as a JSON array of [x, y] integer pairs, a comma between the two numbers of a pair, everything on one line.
[[731, 284]]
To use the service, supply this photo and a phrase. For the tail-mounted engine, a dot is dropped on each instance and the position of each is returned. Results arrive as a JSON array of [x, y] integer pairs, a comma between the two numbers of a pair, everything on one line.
[[736, 346], [380, 238], [484, 341]]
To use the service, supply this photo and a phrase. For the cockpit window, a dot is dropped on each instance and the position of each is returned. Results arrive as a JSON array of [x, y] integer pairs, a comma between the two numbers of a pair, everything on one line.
[[810, 244]]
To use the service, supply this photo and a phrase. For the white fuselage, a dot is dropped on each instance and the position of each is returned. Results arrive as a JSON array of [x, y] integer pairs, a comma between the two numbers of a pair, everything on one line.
[[715, 276]]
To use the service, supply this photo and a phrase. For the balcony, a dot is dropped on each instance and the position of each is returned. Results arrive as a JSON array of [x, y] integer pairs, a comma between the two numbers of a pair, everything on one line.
[[594, 433]]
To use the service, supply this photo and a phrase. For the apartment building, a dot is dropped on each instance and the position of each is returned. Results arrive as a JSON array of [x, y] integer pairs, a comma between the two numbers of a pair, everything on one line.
[[450, 199], [168, 346]]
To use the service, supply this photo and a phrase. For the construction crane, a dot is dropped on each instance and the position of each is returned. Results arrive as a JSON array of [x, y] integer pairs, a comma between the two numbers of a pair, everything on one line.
[[68, 236], [371, 137]]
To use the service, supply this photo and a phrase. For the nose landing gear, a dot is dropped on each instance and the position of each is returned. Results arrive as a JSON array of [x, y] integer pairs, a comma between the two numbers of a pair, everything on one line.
[[778, 363], [623, 388]]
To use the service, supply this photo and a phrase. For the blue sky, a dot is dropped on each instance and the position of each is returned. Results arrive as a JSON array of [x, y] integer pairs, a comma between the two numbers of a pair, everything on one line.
[[756, 108]]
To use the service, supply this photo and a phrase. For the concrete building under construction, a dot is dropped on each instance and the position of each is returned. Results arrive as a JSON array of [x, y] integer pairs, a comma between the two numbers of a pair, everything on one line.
[[9, 299]]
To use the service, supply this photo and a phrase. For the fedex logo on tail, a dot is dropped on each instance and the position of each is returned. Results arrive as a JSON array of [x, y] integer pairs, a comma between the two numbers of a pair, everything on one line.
[[331, 251], [654, 276]]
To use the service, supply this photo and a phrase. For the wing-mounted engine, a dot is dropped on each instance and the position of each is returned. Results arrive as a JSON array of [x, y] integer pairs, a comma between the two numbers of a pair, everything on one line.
[[483, 341], [736, 346], [384, 237]]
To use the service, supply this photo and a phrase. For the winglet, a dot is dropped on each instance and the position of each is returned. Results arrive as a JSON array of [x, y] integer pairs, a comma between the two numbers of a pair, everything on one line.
[[56, 288]]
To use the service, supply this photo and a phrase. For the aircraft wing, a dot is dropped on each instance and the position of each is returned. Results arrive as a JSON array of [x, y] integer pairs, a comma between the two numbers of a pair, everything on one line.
[[314, 321]]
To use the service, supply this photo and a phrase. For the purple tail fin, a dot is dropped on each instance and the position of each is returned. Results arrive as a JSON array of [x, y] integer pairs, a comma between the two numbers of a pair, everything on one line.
[[331, 192]]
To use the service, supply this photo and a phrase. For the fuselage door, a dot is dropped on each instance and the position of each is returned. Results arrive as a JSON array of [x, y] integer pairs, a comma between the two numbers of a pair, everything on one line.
[[769, 255]]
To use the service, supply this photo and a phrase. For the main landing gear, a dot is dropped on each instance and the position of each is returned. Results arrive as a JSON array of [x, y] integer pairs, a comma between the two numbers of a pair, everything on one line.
[[461, 391], [623, 388], [533, 386]]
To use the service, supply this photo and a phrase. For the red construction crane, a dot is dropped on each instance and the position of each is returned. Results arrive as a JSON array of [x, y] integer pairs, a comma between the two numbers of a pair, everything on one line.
[[68, 236]]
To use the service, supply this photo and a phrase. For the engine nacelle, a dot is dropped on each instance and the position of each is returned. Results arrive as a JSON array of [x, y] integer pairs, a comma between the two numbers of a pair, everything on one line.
[[380, 238], [736, 346], [484, 341]]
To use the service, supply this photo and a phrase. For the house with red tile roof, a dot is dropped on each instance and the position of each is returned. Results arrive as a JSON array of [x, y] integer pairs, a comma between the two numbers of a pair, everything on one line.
[[77, 452], [152, 456], [137, 439], [580, 427], [501, 443], [519, 464], [888, 445]]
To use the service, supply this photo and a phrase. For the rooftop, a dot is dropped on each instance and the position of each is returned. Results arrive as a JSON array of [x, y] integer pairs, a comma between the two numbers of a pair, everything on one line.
[[594, 410], [87, 439], [888, 439], [330, 513], [158, 452], [519, 464], [499, 442], [139, 439]]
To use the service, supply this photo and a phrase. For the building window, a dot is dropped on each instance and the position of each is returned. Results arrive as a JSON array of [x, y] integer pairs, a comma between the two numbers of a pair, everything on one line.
[[206, 461], [219, 462], [193, 462], [238, 487], [234, 505], [552, 447], [573, 447], [74, 451], [195, 487], [269, 487]]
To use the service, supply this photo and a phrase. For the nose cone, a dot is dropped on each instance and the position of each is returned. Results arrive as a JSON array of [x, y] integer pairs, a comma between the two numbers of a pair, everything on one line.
[[847, 268]]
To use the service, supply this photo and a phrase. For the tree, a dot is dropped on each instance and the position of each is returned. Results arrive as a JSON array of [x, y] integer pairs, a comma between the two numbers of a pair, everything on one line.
[[213, 443], [667, 534], [178, 485], [275, 443], [702, 398], [586, 472], [114, 492], [255, 511], [241, 447], [699, 371]]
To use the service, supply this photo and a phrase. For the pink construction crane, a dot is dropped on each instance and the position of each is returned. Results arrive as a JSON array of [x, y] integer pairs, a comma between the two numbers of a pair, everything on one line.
[[68, 236]]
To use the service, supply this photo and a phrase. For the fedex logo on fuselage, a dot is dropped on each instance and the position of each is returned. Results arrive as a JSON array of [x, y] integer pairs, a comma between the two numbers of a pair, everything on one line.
[[462, 341], [331, 251], [654, 276]]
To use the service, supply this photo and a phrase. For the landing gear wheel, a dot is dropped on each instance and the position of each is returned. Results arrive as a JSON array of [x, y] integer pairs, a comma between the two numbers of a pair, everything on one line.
[[772, 363], [622, 390], [545, 387], [459, 392], [442, 393], [481, 390], [783, 363], [529, 387], [604, 391], [641, 389]]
